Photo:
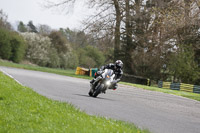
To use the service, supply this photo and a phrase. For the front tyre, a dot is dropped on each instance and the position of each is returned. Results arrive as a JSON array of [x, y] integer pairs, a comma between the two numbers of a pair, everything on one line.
[[97, 91], [90, 93]]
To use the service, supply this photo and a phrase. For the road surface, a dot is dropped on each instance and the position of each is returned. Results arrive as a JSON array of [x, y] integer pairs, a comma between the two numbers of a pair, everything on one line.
[[156, 111]]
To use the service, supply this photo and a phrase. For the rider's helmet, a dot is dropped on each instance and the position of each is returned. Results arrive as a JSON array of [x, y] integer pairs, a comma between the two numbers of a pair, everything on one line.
[[119, 64]]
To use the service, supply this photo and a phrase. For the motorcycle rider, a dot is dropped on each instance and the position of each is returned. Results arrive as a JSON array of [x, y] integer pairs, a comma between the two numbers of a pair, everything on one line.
[[117, 68]]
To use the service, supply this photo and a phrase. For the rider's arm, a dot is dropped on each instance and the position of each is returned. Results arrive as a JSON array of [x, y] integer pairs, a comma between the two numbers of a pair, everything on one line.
[[119, 76], [102, 68], [109, 66]]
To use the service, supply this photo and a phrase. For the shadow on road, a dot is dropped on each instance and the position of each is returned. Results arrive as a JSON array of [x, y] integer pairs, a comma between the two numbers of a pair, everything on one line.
[[95, 97]]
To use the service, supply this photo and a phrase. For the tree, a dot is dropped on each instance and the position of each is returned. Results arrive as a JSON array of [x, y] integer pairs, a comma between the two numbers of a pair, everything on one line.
[[38, 48], [18, 47], [44, 29], [69, 60], [58, 41], [5, 47], [3, 21], [100, 24], [145, 32], [183, 66], [31, 27], [90, 57], [21, 27], [12, 46]]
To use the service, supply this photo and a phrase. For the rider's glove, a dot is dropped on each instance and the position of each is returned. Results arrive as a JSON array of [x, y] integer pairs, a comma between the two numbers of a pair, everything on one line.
[[99, 72]]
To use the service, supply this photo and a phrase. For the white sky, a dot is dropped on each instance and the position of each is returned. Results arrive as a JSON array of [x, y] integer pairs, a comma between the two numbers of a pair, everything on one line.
[[26, 10]]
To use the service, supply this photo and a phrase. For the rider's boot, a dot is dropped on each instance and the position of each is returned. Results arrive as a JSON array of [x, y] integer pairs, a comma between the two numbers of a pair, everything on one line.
[[115, 87]]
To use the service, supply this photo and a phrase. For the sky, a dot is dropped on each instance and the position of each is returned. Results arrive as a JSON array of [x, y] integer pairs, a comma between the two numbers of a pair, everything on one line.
[[26, 10]]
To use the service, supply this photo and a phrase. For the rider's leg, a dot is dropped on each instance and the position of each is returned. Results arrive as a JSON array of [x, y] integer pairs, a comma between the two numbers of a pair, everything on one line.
[[114, 86]]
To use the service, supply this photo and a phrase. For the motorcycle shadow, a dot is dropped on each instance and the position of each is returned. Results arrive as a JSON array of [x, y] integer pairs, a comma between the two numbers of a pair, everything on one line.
[[95, 97]]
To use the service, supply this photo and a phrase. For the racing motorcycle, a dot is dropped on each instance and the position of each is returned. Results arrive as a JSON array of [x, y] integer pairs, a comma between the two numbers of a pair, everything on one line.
[[103, 82]]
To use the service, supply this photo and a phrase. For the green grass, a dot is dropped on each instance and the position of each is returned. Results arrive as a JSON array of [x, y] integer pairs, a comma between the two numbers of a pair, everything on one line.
[[190, 95], [43, 69], [24, 111]]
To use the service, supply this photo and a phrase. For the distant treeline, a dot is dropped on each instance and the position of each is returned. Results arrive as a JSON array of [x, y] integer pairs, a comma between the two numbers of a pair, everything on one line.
[[44, 46]]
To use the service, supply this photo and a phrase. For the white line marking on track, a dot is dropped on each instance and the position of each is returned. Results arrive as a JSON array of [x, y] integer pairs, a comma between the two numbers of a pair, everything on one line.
[[4, 72]]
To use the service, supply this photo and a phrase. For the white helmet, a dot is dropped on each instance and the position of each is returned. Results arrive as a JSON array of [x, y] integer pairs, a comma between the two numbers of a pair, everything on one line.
[[119, 64]]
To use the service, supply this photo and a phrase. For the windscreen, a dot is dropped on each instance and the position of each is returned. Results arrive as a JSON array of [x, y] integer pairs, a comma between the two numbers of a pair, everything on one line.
[[108, 72]]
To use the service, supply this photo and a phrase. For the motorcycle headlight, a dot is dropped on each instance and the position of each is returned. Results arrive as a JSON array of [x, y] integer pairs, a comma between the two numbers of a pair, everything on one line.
[[108, 83]]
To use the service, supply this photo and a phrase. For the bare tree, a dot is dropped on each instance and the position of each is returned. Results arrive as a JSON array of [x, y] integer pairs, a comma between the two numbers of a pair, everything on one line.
[[3, 21], [44, 29]]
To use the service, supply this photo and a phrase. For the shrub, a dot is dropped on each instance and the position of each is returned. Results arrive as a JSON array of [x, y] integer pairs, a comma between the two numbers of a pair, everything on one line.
[[18, 47], [58, 41], [38, 48], [96, 55], [68, 60], [54, 59], [90, 57], [5, 46]]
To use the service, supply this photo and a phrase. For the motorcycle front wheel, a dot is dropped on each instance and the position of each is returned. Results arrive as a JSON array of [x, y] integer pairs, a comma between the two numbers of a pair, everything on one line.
[[98, 90], [90, 93]]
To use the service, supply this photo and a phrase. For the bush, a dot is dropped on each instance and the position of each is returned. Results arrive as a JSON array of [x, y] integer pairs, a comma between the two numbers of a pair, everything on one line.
[[5, 46], [54, 59], [68, 60], [182, 65], [58, 41], [18, 47], [38, 48], [96, 55], [90, 57]]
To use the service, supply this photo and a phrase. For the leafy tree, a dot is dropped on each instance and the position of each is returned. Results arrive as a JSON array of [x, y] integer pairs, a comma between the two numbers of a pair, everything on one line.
[[54, 59], [143, 32], [85, 60], [96, 55], [68, 60], [183, 66], [5, 46], [38, 48], [21, 27], [90, 57], [58, 41], [31, 27], [3, 21], [18, 47]]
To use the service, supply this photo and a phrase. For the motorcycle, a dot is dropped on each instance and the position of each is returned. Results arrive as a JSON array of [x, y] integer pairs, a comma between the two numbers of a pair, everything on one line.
[[103, 82]]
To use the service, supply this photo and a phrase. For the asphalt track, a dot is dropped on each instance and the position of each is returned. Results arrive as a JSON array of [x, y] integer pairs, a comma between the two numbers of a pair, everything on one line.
[[156, 111]]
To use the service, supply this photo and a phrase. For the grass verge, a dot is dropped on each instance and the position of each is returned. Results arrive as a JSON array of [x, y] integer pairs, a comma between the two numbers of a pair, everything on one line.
[[43, 69], [72, 74], [23, 110], [190, 95]]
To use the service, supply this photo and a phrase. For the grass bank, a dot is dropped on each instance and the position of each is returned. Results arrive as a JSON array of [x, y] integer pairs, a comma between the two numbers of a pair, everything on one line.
[[43, 69], [23, 110], [72, 74], [190, 95]]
